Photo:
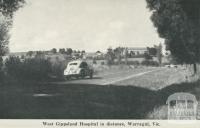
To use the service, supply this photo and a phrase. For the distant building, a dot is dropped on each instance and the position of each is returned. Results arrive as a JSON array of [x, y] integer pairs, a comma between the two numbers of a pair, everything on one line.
[[137, 50], [95, 55]]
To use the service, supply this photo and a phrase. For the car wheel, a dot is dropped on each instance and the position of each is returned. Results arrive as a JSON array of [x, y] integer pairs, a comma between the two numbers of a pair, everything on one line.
[[82, 74], [67, 78], [91, 75]]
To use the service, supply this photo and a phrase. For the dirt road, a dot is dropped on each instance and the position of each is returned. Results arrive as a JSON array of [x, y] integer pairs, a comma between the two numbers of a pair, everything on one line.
[[112, 77]]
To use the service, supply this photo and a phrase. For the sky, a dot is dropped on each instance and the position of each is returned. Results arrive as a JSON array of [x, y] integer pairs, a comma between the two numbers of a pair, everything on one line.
[[89, 25]]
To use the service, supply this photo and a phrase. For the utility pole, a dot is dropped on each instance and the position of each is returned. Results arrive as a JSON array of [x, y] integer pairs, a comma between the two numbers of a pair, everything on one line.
[[126, 54], [159, 53]]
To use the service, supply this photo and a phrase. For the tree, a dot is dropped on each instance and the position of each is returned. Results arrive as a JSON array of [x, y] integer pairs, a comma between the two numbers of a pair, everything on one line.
[[159, 53], [54, 50], [1, 64], [4, 36], [152, 51], [147, 57], [118, 54], [82, 53], [110, 56], [29, 53], [69, 51], [62, 50], [126, 56], [8, 7], [39, 54], [177, 21], [131, 54]]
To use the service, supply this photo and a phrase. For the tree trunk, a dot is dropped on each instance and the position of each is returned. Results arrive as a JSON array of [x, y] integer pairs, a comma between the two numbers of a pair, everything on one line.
[[195, 68], [126, 54]]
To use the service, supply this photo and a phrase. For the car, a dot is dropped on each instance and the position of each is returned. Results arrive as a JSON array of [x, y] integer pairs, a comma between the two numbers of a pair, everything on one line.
[[171, 66], [78, 68]]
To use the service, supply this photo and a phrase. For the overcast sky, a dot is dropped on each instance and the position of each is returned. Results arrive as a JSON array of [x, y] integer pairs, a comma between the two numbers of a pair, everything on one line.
[[89, 25]]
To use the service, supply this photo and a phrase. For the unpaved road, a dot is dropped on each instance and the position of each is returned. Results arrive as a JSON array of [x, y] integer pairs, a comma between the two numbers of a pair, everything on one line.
[[112, 77]]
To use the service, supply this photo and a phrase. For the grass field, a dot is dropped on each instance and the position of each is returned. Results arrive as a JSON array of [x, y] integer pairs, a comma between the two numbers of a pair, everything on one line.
[[159, 79], [141, 98]]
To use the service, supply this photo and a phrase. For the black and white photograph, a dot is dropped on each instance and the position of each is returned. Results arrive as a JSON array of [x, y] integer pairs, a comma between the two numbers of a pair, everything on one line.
[[100, 59]]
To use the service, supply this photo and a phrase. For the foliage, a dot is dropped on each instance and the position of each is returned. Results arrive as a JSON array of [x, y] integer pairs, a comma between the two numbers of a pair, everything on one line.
[[147, 56], [94, 61], [69, 51], [152, 51], [150, 63], [7, 8], [118, 53], [57, 70], [30, 69], [4, 36], [54, 50], [29, 53], [1, 69], [110, 56], [177, 21], [62, 50], [133, 62], [102, 63], [159, 53], [1, 63]]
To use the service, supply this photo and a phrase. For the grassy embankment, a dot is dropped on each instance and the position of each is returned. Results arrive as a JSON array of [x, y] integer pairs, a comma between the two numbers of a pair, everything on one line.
[[81, 101]]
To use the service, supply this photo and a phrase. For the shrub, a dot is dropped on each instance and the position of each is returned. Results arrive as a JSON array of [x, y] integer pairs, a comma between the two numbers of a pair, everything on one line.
[[57, 69], [133, 62], [1, 69], [150, 63], [94, 61], [30, 69], [147, 56], [102, 63], [13, 66]]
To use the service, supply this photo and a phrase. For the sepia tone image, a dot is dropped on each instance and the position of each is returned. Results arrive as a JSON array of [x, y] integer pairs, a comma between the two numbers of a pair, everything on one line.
[[99, 59]]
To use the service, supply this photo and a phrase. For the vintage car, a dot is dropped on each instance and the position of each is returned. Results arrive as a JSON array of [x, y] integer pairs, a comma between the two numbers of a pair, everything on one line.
[[171, 66], [78, 68]]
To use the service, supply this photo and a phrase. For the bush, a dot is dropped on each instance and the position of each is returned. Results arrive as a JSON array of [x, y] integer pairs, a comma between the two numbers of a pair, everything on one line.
[[1, 69], [133, 62], [13, 66], [150, 63], [94, 61], [57, 70], [30, 69]]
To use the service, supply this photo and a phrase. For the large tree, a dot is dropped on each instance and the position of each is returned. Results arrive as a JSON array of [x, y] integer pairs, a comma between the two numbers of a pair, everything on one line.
[[4, 36], [7, 8], [178, 22]]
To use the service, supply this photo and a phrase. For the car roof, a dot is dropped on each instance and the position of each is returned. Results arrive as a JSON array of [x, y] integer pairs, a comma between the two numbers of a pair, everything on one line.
[[76, 61]]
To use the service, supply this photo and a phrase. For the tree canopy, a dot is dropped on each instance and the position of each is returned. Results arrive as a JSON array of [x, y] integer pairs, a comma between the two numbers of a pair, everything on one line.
[[178, 22], [7, 8]]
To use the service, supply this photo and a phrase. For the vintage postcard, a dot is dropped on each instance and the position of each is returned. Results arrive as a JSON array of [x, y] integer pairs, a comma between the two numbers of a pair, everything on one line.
[[99, 63]]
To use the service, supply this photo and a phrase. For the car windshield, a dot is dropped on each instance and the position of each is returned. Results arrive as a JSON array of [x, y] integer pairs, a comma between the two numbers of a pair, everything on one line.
[[83, 65], [73, 64]]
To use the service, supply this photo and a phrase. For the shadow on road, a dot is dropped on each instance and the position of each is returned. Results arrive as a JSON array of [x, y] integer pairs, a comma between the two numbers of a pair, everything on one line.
[[75, 101]]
